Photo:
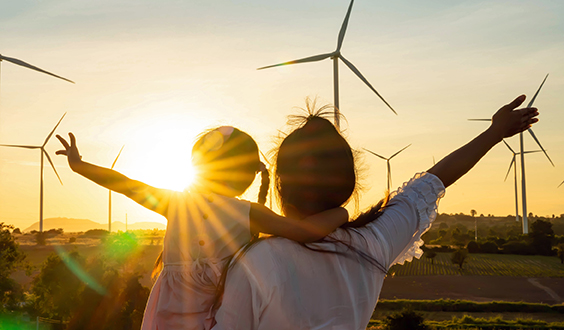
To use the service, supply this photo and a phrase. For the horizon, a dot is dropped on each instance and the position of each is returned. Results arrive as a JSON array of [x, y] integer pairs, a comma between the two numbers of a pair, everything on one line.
[[152, 77]]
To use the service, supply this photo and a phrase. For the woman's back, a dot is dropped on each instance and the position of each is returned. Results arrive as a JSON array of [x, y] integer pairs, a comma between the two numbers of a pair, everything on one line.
[[279, 284]]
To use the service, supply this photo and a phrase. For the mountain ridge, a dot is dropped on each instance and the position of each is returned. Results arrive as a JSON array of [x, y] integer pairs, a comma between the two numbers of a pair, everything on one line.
[[71, 225]]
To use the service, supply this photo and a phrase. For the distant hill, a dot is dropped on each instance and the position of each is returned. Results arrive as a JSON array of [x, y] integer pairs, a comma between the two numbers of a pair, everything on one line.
[[70, 225]]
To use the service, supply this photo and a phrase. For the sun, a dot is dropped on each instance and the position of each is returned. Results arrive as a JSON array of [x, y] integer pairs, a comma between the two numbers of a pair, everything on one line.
[[161, 154]]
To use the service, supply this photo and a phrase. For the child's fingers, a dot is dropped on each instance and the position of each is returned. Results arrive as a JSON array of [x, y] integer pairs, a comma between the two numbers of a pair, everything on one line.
[[61, 152], [63, 142], [72, 140]]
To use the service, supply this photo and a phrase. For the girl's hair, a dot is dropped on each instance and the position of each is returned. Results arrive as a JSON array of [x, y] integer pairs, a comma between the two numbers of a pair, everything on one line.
[[315, 171], [226, 160]]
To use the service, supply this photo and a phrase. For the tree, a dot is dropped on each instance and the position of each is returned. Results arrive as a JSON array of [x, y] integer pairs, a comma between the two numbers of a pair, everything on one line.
[[11, 259], [560, 252], [430, 254], [541, 236], [458, 257]]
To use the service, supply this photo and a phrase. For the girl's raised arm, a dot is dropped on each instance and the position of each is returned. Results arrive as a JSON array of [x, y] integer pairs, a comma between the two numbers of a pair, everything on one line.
[[150, 197], [310, 229], [506, 122]]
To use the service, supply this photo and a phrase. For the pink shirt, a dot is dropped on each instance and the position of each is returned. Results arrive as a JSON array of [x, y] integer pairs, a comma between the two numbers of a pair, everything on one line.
[[280, 284]]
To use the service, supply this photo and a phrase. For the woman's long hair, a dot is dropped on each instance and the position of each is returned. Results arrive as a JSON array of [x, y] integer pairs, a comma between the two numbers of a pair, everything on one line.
[[315, 171]]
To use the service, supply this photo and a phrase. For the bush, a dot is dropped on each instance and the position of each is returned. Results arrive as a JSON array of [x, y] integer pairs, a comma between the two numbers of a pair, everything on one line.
[[518, 248], [458, 257], [473, 247], [96, 233], [430, 255], [40, 238], [489, 247], [72, 240], [406, 319], [17, 231]]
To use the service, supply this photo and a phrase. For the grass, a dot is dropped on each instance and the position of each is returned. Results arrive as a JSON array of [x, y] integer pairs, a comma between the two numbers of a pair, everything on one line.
[[485, 265]]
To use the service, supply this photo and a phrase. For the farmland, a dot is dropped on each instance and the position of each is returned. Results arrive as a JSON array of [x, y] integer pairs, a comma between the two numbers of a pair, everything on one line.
[[483, 265]]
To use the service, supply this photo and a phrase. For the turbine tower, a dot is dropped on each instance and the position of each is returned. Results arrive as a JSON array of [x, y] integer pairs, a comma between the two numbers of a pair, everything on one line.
[[335, 56], [43, 152], [110, 195], [389, 169], [514, 162], [521, 144]]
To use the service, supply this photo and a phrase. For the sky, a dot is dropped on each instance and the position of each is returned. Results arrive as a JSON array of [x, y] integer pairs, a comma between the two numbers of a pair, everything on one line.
[[152, 75]]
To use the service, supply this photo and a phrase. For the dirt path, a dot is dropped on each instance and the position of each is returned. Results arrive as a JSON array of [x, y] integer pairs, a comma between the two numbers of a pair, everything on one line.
[[476, 288]]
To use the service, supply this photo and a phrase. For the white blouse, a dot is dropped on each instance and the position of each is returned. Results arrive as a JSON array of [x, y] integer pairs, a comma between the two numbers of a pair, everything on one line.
[[280, 284]]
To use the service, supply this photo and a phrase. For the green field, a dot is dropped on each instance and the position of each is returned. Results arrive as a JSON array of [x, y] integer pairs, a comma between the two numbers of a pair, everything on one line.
[[483, 264]]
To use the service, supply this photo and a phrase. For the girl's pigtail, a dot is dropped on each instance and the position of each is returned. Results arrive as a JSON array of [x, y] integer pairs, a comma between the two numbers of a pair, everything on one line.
[[264, 184]]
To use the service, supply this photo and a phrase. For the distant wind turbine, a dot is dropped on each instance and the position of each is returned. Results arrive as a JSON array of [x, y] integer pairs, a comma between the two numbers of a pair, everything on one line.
[[43, 152], [335, 56], [389, 169], [522, 147], [110, 195], [514, 162]]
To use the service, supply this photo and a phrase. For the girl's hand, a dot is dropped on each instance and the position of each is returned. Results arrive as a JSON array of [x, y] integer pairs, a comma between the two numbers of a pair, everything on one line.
[[507, 121], [71, 151]]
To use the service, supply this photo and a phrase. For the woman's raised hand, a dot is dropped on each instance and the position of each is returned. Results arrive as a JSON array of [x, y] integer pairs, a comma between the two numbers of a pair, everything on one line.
[[509, 121], [71, 151]]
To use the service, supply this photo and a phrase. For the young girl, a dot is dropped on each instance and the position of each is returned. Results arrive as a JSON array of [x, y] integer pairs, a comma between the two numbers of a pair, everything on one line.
[[206, 223]]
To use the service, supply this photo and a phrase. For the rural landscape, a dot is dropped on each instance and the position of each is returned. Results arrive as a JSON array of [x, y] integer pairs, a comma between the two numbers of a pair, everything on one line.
[[503, 280], [111, 111]]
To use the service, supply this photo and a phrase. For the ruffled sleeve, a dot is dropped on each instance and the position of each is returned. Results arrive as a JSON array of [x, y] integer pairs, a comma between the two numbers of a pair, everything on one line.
[[423, 191]]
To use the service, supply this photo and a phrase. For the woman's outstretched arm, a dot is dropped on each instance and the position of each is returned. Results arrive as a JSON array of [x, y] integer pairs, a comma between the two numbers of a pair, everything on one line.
[[150, 197], [506, 122]]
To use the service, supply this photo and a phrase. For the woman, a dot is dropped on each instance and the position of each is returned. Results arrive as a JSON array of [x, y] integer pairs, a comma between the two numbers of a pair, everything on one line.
[[335, 284]]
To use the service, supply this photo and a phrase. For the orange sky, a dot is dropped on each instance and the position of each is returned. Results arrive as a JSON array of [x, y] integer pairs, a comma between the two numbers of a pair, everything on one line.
[[151, 77]]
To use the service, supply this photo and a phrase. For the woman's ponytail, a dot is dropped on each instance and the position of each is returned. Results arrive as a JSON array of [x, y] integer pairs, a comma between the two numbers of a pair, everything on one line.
[[264, 184]]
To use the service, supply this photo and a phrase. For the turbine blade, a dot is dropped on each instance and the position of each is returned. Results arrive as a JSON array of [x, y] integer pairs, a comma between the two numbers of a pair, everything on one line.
[[537, 141], [53, 131], [375, 154], [509, 170], [355, 70], [29, 66], [537, 93], [434, 160], [399, 151], [560, 184], [344, 27], [479, 119], [301, 60], [508, 146], [532, 152], [119, 153], [53, 166], [19, 146]]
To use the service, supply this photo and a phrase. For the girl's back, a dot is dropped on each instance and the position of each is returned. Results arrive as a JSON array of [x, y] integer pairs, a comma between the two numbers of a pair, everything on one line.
[[204, 230]]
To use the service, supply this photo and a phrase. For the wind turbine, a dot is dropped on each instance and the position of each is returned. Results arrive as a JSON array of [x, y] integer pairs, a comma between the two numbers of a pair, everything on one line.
[[43, 152], [110, 195], [514, 162], [335, 56], [522, 154], [389, 169]]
